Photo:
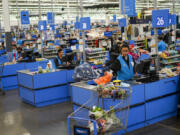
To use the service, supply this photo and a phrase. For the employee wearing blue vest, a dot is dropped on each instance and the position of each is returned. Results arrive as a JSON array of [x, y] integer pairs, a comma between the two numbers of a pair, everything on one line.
[[123, 66], [61, 59]]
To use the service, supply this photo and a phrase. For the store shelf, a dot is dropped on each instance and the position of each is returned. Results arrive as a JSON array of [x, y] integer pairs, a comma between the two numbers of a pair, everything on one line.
[[170, 57], [50, 57], [96, 53], [96, 56], [171, 62]]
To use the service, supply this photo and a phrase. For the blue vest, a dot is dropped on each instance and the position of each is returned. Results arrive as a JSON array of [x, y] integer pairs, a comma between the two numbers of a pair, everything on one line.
[[126, 71], [59, 61]]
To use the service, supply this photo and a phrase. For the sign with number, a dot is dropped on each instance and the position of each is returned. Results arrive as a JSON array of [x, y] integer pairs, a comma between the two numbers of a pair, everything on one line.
[[25, 17], [85, 23], [122, 22], [52, 27], [172, 19], [130, 7], [160, 18], [42, 26], [50, 18]]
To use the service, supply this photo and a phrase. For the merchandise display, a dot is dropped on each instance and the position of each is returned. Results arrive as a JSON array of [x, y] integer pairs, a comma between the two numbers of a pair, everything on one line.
[[97, 56]]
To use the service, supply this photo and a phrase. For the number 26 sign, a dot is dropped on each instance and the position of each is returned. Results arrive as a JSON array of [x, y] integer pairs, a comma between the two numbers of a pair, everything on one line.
[[160, 18]]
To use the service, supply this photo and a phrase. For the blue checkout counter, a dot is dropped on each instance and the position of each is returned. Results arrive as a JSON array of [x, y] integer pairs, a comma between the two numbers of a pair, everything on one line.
[[45, 89], [8, 73], [150, 102]]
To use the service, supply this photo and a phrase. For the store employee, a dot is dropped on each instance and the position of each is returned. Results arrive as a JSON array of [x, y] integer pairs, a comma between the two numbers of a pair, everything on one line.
[[123, 66], [60, 59]]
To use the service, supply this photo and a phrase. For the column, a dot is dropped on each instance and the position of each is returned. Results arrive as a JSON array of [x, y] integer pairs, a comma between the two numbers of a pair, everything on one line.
[[6, 20]]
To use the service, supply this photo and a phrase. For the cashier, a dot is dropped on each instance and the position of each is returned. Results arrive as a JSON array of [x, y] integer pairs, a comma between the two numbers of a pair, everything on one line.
[[123, 66], [61, 59]]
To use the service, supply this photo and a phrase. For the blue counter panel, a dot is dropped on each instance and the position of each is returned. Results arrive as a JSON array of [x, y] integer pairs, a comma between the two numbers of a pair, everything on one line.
[[44, 97], [82, 96], [162, 87], [49, 79], [70, 75], [158, 119], [56, 101], [38, 81], [51, 94], [12, 69], [8, 81], [135, 127], [138, 94], [25, 80], [136, 115], [161, 107], [26, 94]]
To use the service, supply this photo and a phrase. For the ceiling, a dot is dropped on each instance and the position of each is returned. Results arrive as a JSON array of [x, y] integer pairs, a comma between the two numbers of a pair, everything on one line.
[[70, 7]]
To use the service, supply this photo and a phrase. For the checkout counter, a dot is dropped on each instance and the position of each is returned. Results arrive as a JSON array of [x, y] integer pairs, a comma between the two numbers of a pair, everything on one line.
[[150, 102], [45, 89], [8, 73]]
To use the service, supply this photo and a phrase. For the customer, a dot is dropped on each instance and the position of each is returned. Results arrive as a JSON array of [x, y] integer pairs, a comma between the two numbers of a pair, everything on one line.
[[19, 53], [14, 53], [161, 45]]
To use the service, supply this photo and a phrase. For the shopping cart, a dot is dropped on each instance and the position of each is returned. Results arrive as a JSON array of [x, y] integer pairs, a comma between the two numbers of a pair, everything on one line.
[[101, 114]]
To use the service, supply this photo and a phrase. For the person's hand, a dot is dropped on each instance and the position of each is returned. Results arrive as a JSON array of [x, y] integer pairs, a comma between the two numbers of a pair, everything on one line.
[[20, 58], [68, 63]]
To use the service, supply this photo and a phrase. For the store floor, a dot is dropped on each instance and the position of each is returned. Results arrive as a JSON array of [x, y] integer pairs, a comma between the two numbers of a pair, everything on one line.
[[18, 118]]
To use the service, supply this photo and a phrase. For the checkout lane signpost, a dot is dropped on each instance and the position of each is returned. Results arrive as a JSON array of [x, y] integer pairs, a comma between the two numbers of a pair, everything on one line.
[[50, 18], [122, 22], [25, 21], [172, 19], [130, 7], [25, 18], [160, 18], [85, 23], [42, 25]]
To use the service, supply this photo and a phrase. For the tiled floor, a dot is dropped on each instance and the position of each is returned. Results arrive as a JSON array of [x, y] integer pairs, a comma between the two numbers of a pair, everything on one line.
[[18, 118]]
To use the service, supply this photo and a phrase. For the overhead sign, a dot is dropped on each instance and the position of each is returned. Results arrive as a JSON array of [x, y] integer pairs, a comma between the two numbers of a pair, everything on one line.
[[130, 7], [25, 17], [42, 25], [52, 27], [122, 22], [85, 23], [172, 19], [50, 17], [160, 18]]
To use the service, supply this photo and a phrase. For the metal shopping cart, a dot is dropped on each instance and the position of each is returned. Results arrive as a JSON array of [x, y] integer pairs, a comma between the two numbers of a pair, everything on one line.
[[103, 114]]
